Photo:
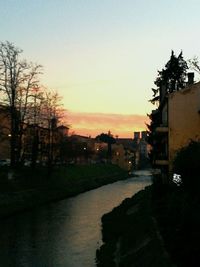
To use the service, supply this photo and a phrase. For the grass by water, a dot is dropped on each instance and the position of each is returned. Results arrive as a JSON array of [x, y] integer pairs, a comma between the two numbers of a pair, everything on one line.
[[31, 188]]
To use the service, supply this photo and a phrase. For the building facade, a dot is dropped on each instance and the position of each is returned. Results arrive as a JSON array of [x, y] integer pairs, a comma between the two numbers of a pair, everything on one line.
[[184, 118], [175, 123]]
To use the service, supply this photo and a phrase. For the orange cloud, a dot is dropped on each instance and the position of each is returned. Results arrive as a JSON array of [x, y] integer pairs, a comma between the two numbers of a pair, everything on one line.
[[96, 123]]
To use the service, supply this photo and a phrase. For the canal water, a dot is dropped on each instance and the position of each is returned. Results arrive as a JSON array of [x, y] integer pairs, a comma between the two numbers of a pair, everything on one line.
[[66, 233]]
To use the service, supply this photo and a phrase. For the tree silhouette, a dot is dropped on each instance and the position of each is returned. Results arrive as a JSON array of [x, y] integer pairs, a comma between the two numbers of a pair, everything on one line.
[[109, 140], [171, 78]]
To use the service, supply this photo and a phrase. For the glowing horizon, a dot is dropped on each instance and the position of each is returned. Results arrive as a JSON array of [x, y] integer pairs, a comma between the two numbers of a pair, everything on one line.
[[93, 124]]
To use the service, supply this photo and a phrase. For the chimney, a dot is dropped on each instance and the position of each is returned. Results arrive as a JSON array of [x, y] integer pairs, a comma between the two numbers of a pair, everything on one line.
[[190, 78]]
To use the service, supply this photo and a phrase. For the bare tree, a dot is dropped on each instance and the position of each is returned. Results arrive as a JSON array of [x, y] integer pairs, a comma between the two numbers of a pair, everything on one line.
[[51, 113], [194, 64], [17, 79], [30, 113]]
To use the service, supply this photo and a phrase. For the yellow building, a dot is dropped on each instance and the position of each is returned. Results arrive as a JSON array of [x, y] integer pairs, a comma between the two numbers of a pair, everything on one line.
[[183, 118], [175, 123], [121, 157]]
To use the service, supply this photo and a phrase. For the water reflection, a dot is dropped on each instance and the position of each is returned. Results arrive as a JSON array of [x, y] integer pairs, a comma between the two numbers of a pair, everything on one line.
[[66, 233]]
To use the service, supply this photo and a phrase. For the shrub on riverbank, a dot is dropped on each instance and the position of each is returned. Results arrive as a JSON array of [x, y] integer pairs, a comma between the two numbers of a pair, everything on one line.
[[178, 219], [177, 208], [186, 163]]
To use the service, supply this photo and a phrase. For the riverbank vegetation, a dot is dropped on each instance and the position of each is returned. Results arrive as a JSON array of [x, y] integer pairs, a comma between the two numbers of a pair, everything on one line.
[[178, 217], [31, 188]]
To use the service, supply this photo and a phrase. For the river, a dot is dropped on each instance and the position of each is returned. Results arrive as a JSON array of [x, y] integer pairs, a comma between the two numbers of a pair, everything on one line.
[[66, 233]]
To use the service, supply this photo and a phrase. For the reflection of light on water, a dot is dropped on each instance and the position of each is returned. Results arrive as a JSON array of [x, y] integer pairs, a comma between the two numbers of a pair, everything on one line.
[[143, 172]]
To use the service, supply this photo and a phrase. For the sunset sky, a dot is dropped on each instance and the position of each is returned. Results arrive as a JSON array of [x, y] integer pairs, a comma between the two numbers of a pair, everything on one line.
[[102, 56]]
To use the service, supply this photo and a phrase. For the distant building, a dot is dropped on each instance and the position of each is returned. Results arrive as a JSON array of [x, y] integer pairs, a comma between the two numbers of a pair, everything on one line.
[[63, 130], [121, 157], [124, 154], [136, 150], [144, 135], [34, 138]]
